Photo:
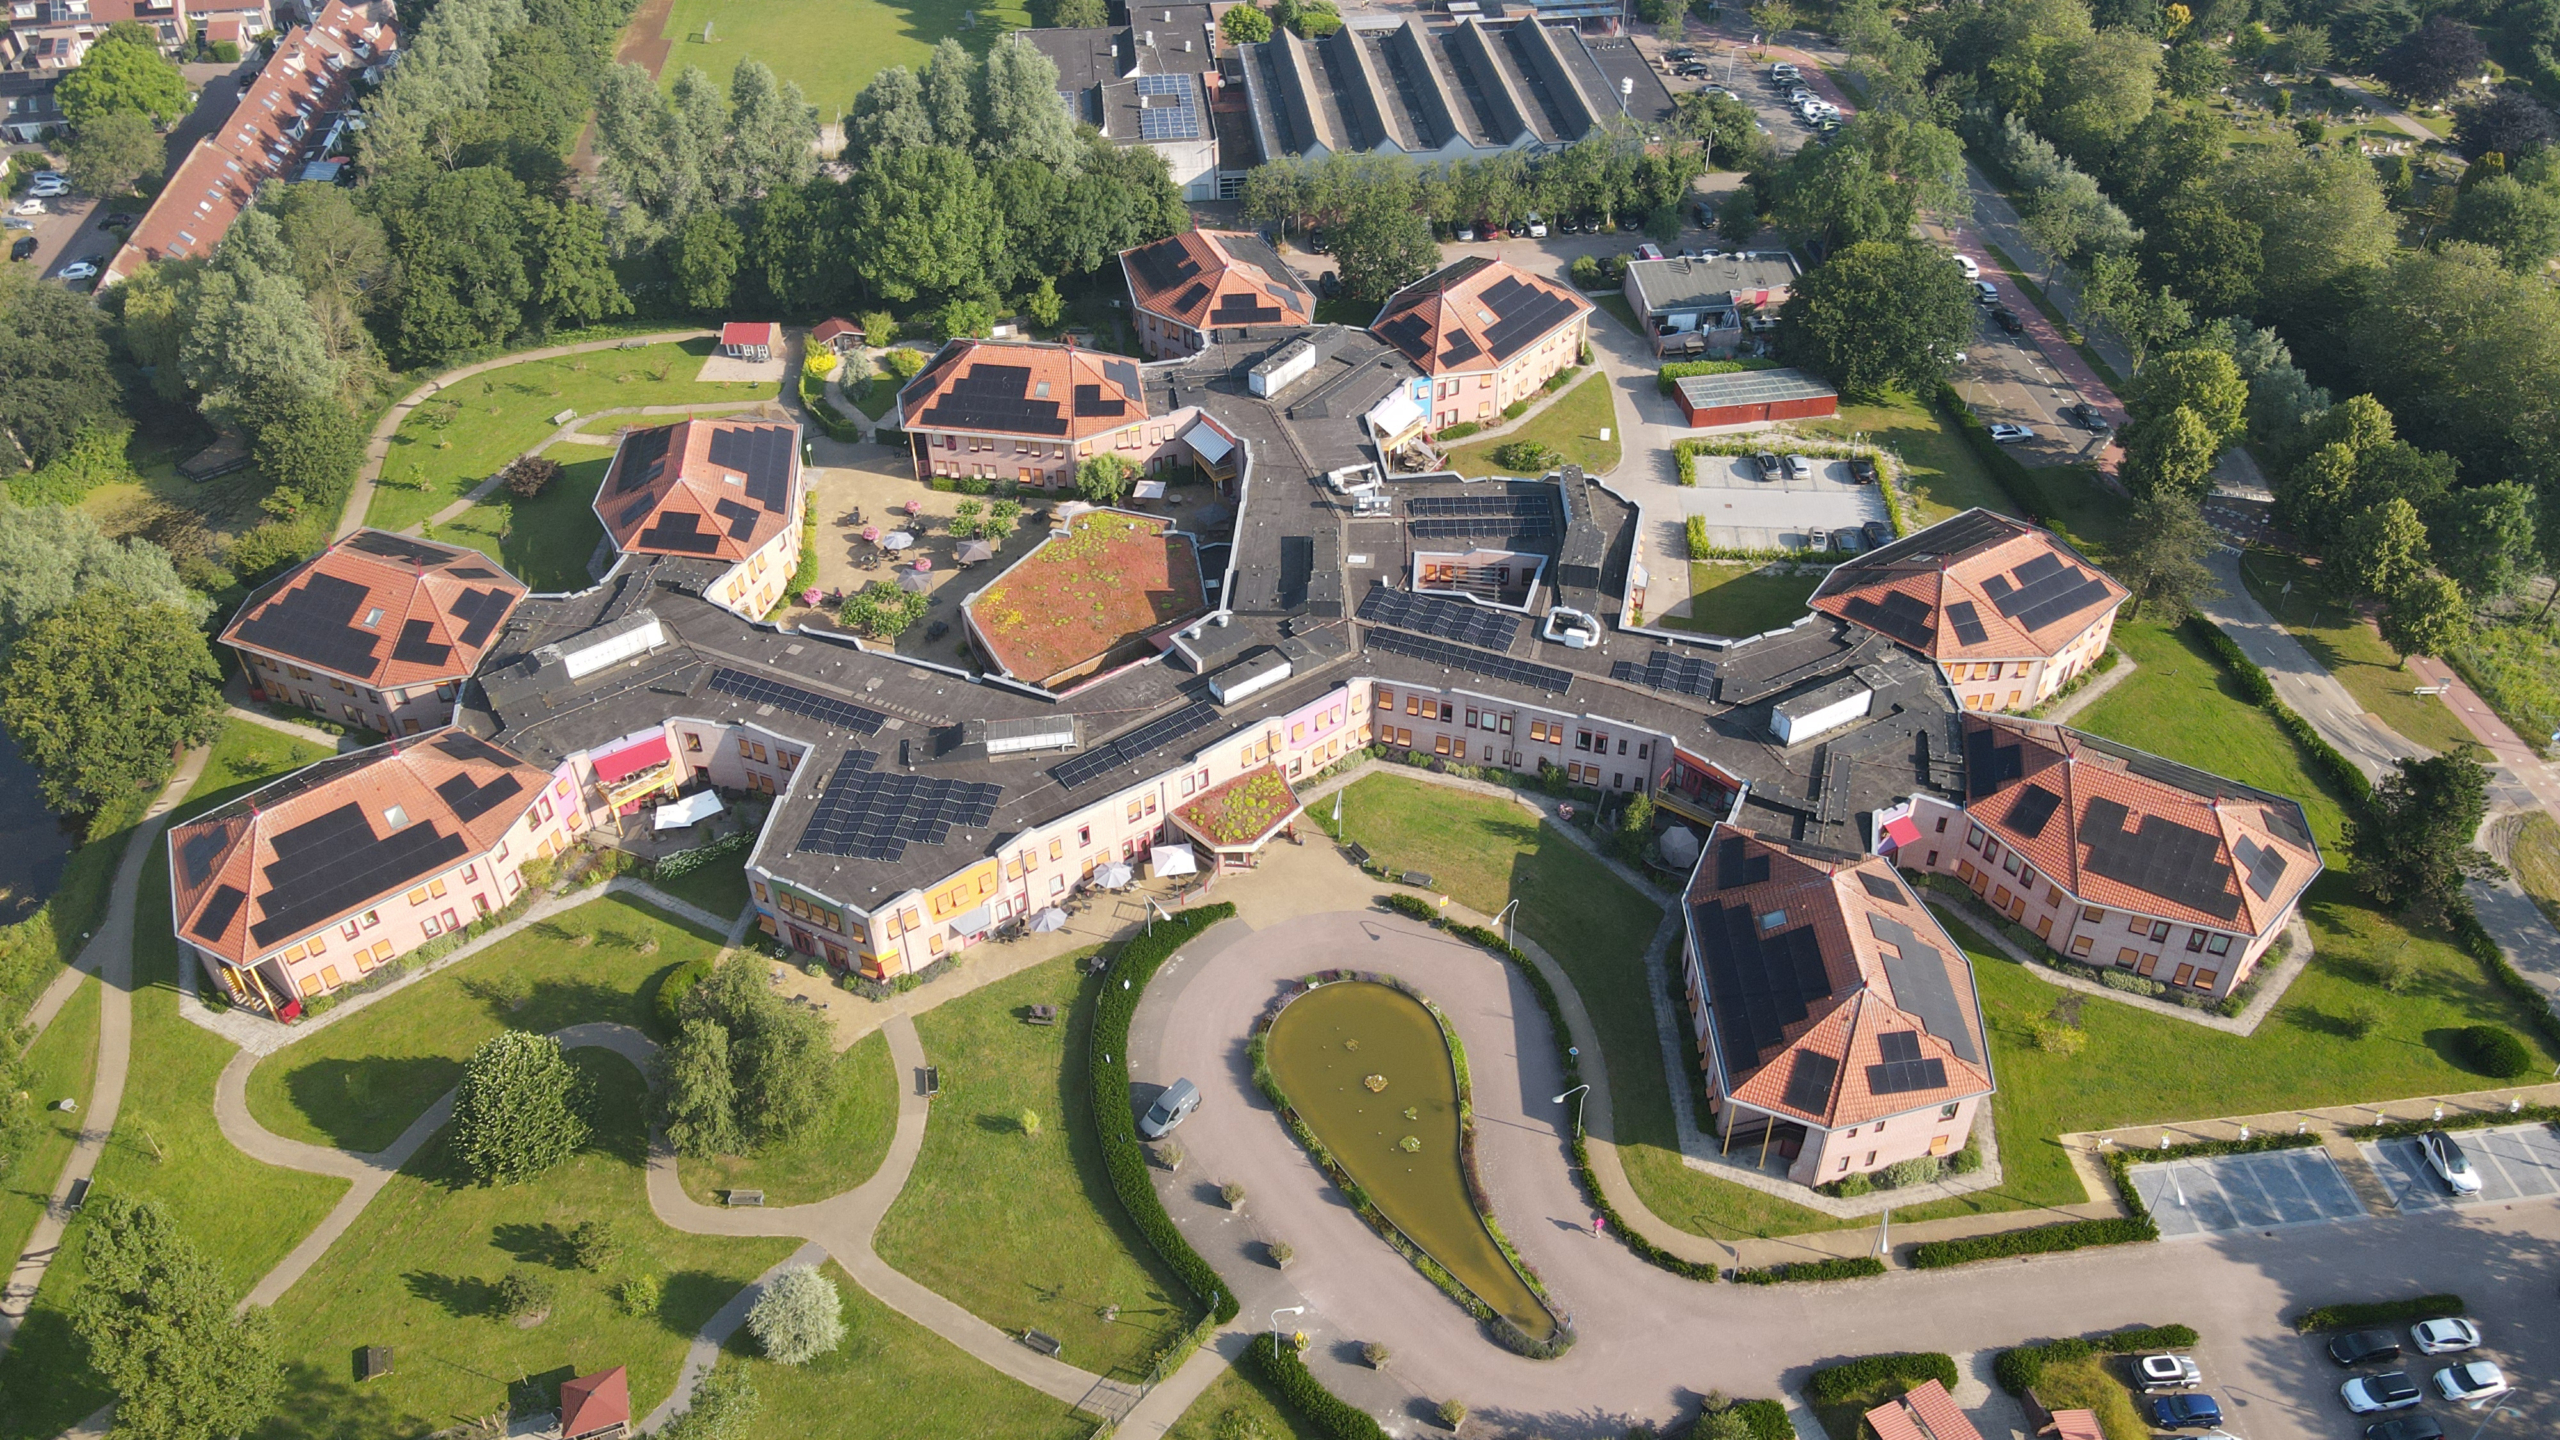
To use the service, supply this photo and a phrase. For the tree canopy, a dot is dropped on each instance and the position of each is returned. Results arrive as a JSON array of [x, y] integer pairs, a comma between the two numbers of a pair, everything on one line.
[[52, 554], [517, 1112], [1878, 315], [745, 1070], [2411, 845], [123, 73], [157, 1320], [104, 692]]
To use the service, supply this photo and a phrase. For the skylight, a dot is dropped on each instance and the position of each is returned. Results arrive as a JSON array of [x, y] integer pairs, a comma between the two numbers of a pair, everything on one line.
[[395, 817]]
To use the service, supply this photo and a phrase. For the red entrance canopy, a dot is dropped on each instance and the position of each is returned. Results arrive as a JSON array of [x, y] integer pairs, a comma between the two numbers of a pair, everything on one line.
[[1901, 832], [631, 759]]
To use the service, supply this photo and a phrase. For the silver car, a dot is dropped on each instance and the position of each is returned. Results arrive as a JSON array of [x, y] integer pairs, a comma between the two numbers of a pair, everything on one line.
[[1171, 1108]]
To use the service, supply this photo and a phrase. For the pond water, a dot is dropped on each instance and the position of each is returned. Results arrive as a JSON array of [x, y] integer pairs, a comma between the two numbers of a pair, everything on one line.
[[39, 844], [1330, 1050]]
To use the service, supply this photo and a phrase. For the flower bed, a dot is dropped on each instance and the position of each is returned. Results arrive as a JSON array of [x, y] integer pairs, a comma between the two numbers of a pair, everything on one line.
[[1065, 607]]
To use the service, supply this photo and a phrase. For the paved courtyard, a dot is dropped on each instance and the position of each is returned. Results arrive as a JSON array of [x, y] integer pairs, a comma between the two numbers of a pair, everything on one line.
[[2515, 1162], [1745, 512], [2214, 1195]]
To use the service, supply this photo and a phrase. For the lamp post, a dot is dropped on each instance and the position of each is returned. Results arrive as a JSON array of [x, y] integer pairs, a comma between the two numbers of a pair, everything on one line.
[[1504, 920], [2492, 1418], [1275, 1323], [1577, 1104]]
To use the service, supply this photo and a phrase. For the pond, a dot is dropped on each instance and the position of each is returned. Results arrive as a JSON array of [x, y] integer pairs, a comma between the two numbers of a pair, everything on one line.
[[1367, 1069]]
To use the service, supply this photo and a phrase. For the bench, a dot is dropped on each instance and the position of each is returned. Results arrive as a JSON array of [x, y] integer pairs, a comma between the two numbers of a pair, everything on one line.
[[1359, 854], [744, 1197], [78, 1197], [929, 1083], [1418, 879], [1041, 1015], [564, 417], [373, 1362], [1044, 1342]]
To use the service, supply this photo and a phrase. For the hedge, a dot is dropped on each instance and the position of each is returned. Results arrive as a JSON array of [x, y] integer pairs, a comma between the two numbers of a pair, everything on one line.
[[2468, 1120], [2476, 940], [2133, 1229], [2356, 1314], [1847, 1383], [1283, 1371], [813, 395], [1118, 1128], [2019, 1370], [1670, 376], [2494, 1050], [2258, 690], [2006, 472], [1844, 1267], [1767, 1419]]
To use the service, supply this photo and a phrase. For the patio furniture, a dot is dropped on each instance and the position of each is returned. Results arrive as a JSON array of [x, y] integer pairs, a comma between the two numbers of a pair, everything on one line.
[[743, 1197], [1041, 1015], [1359, 854]]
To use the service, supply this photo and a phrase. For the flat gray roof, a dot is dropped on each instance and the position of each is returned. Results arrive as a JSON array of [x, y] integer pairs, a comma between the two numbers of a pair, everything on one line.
[[1752, 387], [1685, 284]]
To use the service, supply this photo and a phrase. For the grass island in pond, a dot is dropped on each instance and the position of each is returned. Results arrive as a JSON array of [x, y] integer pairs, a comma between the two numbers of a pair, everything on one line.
[[1364, 1065]]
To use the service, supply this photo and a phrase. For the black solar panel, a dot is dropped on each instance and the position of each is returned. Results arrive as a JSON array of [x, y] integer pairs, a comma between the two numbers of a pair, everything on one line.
[[1517, 532], [334, 862], [1093, 402], [1957, 536], [471, 747], [1903, 1070], [2161, 857], [1968, 622], [2044, 590], [644, 454], [1900, 616], [419, 646], [470, 801], [1881, 887], [218, 912], [1809, 1083], [1502, 502], [1449, 619], [1522, 313], [996, 397], [741, 518], [480, 611], [2265, 864], [1480, 662], [472, 572], [199, 850], [632, 512], [1922, 986], [314, 621], [872, 814], [1409, 333], [680, 531], [1738, 865], [1460, 349], [1129, 748], [398, 547], [2030, 809], [1668, 670], [762, 453], [1757, 984], [1191, 295], [1163, 265], [757, 690], [1240, 307], [1988, 764]]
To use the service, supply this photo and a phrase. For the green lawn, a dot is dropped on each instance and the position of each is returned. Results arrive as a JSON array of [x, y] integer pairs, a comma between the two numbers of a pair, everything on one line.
[[465, 434], [1239, 1406], [2091, 1383], [2343, 641], [831, 47], [874, 396], [545, 541], [1742, 599], [892, 1379], [63, 1063], [829, 1158], [1571, 427], [420, 1270], [1941, 473], [1023, 1229], [1614, 305], [717, 885], [2535, 857], [358, 1084], [244, 1215]]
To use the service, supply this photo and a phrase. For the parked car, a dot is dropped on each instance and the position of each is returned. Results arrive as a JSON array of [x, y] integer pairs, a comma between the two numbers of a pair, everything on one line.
[[49, 175], [1817, 539], [1316, 244], [120, 217], [1770, 469], [2451, 1166], [2007, 319], [2472, 1383], [1985, 293], [1329, 284], [48, 189], [2186, 1412], [77, 270], [1969, 267], [1862, 470], [2364, 1347], [2391, 1390], [2444, 1337], [2086, 416], [1171, 1108], [17, 222], [1467, 234], [2006, 434], [2406, 1427], [1680, 52], [2164, 1373], [1879, 534], [27, 207], [1799, 468], [1648, 251], [1537, 226], [23, 248]]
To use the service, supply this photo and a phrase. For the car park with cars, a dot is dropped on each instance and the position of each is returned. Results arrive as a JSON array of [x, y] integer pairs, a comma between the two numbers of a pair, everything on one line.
[[2364, 1347], [2445, 1336], [2444, 1156], [1770, 468], [2391, 1390], [2186, 1412]]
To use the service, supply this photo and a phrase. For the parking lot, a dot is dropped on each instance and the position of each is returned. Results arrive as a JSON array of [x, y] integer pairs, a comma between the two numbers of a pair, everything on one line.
[[2459, 1421], [2515, 1162], [2214, 1195], [1745, 512]]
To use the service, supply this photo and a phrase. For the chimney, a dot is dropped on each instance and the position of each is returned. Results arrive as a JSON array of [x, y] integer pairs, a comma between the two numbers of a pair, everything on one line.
[[1151, 39], [1168, 18]]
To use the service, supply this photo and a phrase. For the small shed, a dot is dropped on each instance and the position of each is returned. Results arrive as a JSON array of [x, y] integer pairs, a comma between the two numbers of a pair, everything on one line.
[[837, 334], [751, 339], [1755, 397], [1826, 707], [596, 1407]]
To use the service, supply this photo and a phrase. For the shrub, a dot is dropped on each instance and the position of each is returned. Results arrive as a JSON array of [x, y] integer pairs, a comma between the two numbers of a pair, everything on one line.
[[674, 986], [1842, 1384], [529, 475], [1842, 1267], [516, 1112], [2021, 1369], [1233, 1194], [1460, 431], [2042, 1240], [1767, 1419], [903, 364], [639, 1294], [1918, 1170], [1281, 1251], [2362, 1019], [523, 1294], [1284, 1371], [2130, 983], [595, 1245], [2356, 1315], [1029, 1120], [1850, 1187], [799, 1317], [1668, 378], [1377, 1354], [1453, 1413], [2055, 1038], [1585, 271], [2495, 1050], [1527, 457]]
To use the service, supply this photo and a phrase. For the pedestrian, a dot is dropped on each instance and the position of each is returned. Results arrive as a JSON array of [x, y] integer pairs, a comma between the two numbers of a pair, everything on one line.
[[1598, 1223]]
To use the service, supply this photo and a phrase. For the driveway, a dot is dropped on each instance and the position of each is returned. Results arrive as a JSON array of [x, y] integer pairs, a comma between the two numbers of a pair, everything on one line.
[[2300, 681], [2516, 1162]]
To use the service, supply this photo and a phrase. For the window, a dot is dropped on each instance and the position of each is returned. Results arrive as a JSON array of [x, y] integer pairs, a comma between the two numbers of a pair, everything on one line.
[[1933, 859], [1506, 724], [1538, 730], [2080, 946], [471, 873], [1386, 698], [1448, 712], [692, 743], [1948, 1112], [430, 927], [372, 918], [349, 930], [1440, 745], [2205, 979], [1057, 848], [1084, 835], [1942, 825], [2185, 973], [2195, 941], [2218, 945], [1413, 704], [1622, 745], [1471, 717], [1975, 836], [435, 888], [2159, 930], [2092, 914], [2127, 955], [1871, 1159]]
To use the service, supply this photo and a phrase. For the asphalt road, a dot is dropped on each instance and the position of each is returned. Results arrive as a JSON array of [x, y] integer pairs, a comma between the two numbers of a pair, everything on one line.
[[72, 227]]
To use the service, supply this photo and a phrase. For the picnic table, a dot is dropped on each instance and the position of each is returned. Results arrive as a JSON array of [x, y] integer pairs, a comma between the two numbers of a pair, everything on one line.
[[1041, 1015]]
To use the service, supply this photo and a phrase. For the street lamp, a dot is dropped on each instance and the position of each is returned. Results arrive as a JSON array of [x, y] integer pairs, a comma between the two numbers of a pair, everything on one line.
[[1504, 920], [2492, 1418], [1577, 1104], [1275, 1323]]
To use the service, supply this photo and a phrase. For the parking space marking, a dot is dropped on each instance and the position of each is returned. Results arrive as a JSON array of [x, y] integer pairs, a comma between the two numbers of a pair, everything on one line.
[[2520, 1162], [2222, 1194]]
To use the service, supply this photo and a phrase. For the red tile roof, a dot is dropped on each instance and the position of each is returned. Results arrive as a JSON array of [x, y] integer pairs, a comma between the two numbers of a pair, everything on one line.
[[751, 332], [337, 837], [593, 1403], [1834, 995], [1216, 278], [826, 331], [1977, 586], [2075, 1425], [1936, 1411], [1026, 388], [713, 488], [381, 609], [1891, 1422], [2126, 830], [1475, 315]]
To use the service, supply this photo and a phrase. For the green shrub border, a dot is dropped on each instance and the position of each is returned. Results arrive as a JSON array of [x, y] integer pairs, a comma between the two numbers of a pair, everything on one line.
[[1285, 1372], [1767, 1419], [1668, 378], [1511, 1336], [1839, 1267], [2356, 1314], [1116, 1128], [2469, 1120], [1420, 909], [2018, 1370], [2133, 1228], [2006, 471], [1842, 1383]]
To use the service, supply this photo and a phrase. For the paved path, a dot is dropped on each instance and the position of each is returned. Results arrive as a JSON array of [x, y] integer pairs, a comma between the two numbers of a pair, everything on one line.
[[569, 431], [109, 956], [2300, 680], [2383, 109], [378, 447]]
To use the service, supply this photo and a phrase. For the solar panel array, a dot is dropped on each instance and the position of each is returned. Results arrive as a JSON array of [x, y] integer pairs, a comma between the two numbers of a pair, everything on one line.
[[1881, 887], [1501, 502], [406, 551], [2031, 809], [1901, 616], [217, 914], [1448, 619], [1967, 618], [1988, 764], [1172, 108], [1758, 984], [470, 801], [1958, 536], [2161, 857], [757, 690], [867, 813], [2044, 590], [1903, 1070], [762, 453], [1809, 1083], [1480, 662], [2265, 864], [680, 531], [1130, 748], [314, 622], [1522, 313], [1668, 670], [334, 862], [996, 397], [1164, 264], [644, 454], [1922, 986]]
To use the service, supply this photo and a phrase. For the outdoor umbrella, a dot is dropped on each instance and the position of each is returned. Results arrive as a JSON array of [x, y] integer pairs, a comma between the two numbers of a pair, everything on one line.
[[898, 540], [915, 507], [1113, 875], [871, 533], [975, 551], [914, 581], [923, 563], [1047, 920]]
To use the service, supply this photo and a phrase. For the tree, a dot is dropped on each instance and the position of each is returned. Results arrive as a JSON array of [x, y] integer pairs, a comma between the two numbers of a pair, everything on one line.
[[951, 95], [931, 225], [2212, 255], [110, 153], [2204, 381], [2170, 454], [780, 1068], [2320, 219], [701, 1104], [1635, 829], [102, 694], [705, 261], [2425, 616], [2507, 122], [1738, 216], [2380, 549], [1045, 304], [516, 1112], [1104, 479], [725, 1403], [459, 240], [798, 1318], [2145, 316], [55, 379], [576, 284], [2162, 561], [1024, 120], [156, 1317], [2520, 222], [2194, 69], [123, 73], [1078, 14], [2411, 845], [51, 554], [772, 135], [1385, 244], [883, 611], [2483, 537], [1245, 25], [1878, 315], [308, 448], [2433, 61], [888, 115], [252, 331]]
